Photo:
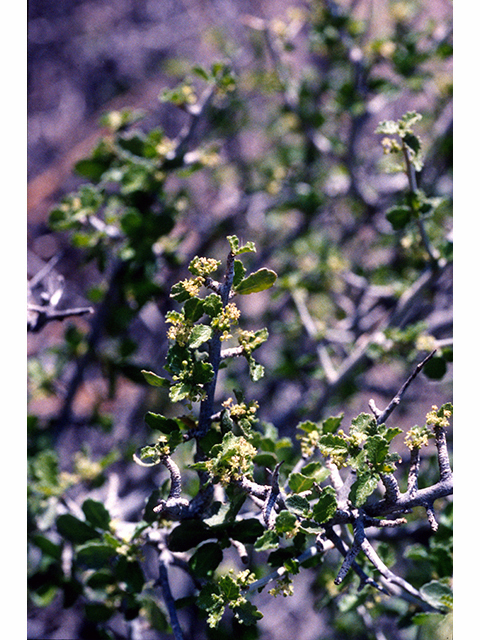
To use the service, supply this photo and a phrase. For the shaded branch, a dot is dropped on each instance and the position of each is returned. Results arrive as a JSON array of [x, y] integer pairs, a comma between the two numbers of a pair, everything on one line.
[[164, 583], [414, 470], [442, 452], [174, 506], [176, 156], [271, 499], [342, 547], [361, 543], [406, 501], [412, 181], [311, 552], [39, 315]]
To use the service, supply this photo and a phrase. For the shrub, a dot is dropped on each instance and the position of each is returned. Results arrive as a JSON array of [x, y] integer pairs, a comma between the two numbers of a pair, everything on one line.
[[262, 459]]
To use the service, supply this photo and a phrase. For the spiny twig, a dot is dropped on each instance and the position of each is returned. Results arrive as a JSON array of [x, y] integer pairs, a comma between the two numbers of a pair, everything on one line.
[[395, 401]]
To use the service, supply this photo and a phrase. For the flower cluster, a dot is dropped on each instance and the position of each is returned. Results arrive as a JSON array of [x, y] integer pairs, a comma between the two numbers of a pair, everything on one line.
[[223, 322], [417, 437], [203, 266], [284, 587], [309, 442], [180, 330], [233, 460], [439, 417], [241, 410]]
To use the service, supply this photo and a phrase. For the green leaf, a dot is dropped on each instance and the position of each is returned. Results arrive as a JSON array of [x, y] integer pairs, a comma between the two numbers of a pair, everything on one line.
[[212, 305], [74, 529], [246, 531], [229, 587], [316, 471], [188, 535], [179, 293], [206, 559], [399, 216], [45, 467], [311, 527], [297, 505], [235, 247], [201, 73], [47, 547], [299, 483], [376, 448], [326, 505], [161, 423], [308, 426], [362, 488], [255, 369], [95, 555], [333, 445], [390, 433], [238, 272], [180, 391], [202, 372], [438, 595], [193, 309], [154, 615], [200, 333], [412, 141], [176, 357], [435, 368], [98, 612], [96, 514], [285, 522], [130, 572], [247, 613], [257, 281], [269, 540], [100, 579], [330, 425], [210, 600], [154, 380], [265, 460], [91, 169], [147, 456], [364, 423]]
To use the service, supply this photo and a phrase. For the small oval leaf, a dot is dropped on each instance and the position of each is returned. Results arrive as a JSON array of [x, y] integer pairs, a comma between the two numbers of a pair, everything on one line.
[[154, 380], [255, 282]]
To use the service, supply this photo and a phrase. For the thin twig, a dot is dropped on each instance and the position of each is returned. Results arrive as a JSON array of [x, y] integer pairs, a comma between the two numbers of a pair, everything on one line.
[[312, 332], [342, 547], [164, 583], [412, 181], [361, 542], [207, 405], [311, 552], [177, 154], [395, 401]]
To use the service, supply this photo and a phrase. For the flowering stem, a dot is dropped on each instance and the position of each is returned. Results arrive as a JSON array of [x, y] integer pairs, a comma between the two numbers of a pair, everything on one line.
[[412, 181], [207, 405]]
